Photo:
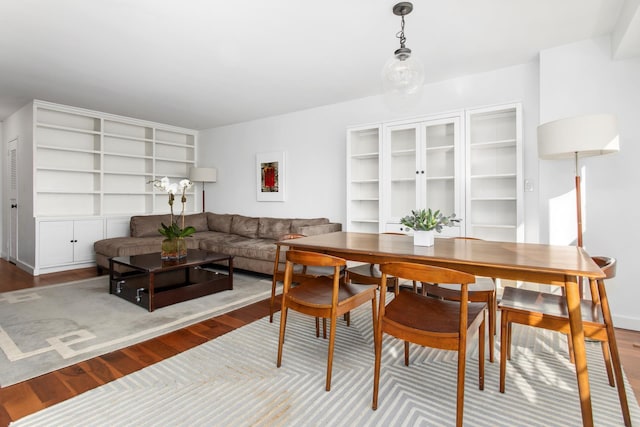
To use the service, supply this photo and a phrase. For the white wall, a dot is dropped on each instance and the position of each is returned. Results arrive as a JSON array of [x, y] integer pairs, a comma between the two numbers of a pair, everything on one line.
[[315, 139], [581, 78], [20, 125]]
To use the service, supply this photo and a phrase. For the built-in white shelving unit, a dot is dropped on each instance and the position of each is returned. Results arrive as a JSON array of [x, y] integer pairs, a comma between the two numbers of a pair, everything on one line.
[[494, 171], [363, 182], [92, 172], [467, 162], [90, 163]]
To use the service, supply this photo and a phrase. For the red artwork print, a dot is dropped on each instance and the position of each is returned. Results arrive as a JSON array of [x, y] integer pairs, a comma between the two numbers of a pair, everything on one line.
[[270, 177]]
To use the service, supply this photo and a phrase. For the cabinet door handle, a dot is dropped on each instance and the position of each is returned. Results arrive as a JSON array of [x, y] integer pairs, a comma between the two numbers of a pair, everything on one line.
[[14, 205]]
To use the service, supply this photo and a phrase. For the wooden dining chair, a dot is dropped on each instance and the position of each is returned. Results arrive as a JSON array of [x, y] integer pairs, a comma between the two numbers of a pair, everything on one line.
[[322, 296], [370, 274], [549, 311], [431, 322], [483, 290], [278, 276], [278, 272]]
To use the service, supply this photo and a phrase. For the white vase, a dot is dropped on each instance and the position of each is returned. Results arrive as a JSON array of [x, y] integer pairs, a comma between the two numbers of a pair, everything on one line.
[[423, 238]]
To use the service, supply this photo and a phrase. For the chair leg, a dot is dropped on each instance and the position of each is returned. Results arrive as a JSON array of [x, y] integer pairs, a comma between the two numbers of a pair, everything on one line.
[[481, 350], [406, 353], [615, 356], [283, 324], [492, 325], [607, 363], [272, 302], [332, 340], [462, 350], [317, 327], [377, 343], [504, 348]]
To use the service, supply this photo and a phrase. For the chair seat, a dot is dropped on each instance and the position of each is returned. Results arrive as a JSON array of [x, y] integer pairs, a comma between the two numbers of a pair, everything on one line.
[[317, 292], [369, 274], [534, 303], [481, 286], [425, 313]]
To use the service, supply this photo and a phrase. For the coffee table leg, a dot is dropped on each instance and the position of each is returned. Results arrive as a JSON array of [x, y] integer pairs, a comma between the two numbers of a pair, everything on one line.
[[151, 289], [231, 272]]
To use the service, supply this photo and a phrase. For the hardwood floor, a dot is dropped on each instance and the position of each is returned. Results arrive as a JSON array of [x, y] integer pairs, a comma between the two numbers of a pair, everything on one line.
[[22, 399]]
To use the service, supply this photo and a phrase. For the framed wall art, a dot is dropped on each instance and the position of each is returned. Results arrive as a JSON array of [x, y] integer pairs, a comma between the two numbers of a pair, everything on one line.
[[270, 174]]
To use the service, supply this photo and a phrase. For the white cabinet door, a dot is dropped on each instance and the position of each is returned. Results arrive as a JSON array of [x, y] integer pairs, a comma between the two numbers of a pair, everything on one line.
[[68, 241], [85, 233], [55, 243]]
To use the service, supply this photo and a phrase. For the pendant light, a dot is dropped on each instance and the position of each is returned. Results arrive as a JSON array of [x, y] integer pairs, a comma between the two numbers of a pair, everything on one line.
[[402, 75]]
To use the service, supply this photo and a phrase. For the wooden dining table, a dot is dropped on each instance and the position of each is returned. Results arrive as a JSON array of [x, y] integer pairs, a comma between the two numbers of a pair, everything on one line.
[[529, 262]]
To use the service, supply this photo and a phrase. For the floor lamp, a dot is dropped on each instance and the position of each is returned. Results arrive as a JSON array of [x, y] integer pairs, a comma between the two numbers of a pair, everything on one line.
[[203, 175], [575, 137]]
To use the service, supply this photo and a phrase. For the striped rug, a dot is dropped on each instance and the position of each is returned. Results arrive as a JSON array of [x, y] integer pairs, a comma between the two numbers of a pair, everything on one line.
[[233, 381]]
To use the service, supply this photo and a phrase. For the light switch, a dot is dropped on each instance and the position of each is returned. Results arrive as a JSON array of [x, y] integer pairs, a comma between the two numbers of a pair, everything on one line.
[[528, 185]]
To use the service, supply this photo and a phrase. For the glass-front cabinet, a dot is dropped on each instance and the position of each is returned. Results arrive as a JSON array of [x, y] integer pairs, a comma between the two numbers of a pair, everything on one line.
[[422, 163]]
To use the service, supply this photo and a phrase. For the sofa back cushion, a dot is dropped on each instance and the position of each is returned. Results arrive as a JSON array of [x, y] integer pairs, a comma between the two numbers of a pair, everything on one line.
[[197, 221], [297, 224], [245, 226], [219, 222], [147, 225], [273, 228]]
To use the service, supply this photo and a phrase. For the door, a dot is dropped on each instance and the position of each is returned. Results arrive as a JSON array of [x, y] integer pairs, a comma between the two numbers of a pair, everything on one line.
[[13, 199]]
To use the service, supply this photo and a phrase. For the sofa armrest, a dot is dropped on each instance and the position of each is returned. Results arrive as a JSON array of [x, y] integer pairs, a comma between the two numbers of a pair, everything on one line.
[[313, 230]]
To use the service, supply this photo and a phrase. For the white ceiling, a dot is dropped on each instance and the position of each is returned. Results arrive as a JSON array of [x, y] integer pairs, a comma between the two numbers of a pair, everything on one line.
[[206, 63]]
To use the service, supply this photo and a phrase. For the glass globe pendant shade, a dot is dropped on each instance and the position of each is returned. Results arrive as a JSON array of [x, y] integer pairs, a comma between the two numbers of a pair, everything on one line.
[[405, 76], [402, 80]]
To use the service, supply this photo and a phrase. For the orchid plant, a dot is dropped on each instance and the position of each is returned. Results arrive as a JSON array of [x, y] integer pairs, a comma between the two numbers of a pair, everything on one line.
[[174, 230]]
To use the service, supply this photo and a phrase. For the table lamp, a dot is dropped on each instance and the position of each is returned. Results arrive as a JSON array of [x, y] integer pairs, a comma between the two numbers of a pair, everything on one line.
[[203, 175], [575, 137]]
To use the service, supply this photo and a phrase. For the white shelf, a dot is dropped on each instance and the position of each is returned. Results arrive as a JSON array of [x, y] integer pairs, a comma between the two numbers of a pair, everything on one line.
[[122, 155], [505, 143], [67, 129], [127, 137]]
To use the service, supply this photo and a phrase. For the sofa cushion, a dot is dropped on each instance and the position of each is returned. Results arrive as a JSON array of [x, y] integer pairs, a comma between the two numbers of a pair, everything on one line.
[[147, 225], [244, 226], [263, 249], [273, 228], [297, 224], [197, 221], [219, 222]]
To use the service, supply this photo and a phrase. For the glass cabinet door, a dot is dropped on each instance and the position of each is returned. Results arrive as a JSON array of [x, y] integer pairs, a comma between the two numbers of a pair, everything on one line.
[[439, 189], [402, 163]]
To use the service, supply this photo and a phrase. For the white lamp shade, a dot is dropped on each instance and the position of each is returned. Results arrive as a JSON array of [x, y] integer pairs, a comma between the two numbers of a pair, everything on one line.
[[203, 174], [589, 135]]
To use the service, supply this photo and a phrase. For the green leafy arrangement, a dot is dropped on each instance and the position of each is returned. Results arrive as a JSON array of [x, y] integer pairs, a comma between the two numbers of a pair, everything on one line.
[[425, 220]]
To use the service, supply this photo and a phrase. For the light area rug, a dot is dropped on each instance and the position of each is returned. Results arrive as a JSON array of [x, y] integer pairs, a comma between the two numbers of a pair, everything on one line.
[[233, 381], [48, 328]]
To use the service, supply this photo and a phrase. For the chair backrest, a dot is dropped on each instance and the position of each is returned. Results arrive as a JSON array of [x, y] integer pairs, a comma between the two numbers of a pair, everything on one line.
[[277, 273], [312, 259], [607, 265], [427, 273]]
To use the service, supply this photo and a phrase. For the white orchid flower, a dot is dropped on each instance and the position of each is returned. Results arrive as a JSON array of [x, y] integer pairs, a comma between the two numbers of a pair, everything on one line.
[[164, 183], [185, 184], [172, 188]]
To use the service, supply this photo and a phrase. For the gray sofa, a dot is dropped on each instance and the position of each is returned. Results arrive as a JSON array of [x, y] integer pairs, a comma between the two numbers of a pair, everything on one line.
[[251, 240]]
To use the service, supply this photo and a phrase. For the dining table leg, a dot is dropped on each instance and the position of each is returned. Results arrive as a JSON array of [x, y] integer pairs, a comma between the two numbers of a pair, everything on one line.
[[577, 339]]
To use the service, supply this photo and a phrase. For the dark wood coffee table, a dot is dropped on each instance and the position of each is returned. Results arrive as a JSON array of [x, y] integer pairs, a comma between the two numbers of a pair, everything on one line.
[[150, 282]]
